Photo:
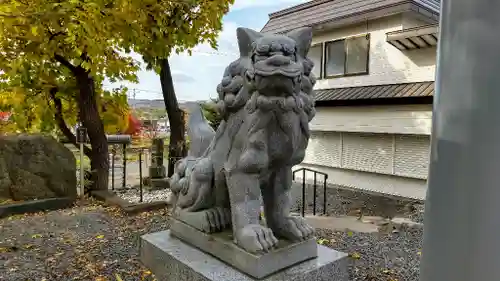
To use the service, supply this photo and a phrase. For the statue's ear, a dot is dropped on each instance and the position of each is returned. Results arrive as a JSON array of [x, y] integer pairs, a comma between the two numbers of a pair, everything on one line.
[[246, 37], [303, 38]]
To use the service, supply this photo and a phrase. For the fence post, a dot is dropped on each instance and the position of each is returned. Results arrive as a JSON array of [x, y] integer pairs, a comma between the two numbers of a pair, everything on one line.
[[325, 178], [303, 192], [113, 154], [140, 175], [124, 183], [314, 193]]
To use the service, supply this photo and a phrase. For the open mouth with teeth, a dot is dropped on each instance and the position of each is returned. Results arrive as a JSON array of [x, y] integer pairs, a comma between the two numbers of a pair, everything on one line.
[[275, 78], [275, 74]]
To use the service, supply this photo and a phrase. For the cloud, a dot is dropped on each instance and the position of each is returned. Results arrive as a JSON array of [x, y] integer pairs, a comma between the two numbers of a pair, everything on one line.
[[205, 66], [182, 77], [196, 76]]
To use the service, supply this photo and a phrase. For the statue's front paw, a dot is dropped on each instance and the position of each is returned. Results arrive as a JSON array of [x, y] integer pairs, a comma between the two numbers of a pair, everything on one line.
[[256, 238], [294, 228]]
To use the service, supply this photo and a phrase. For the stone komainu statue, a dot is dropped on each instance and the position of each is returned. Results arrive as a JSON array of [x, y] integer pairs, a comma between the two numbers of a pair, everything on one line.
[[266, 101]]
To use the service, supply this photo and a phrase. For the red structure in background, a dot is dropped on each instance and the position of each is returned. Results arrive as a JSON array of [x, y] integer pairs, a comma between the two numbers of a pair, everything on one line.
[[4, 116], [134, 126]]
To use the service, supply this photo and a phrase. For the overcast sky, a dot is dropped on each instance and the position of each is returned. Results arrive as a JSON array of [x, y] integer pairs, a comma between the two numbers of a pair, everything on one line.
[[196, 77]]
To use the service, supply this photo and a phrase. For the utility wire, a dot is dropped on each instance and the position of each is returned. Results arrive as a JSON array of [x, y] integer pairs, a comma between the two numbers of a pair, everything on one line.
[[216, 53], [136, 90]]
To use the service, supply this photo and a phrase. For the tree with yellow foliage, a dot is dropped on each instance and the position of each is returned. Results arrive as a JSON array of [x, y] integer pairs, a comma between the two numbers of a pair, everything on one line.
[[173, 27], [53, 114], [63, 50]]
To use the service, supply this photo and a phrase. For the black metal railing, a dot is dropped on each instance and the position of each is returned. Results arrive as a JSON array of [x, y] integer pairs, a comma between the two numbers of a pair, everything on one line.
[[315, 181], [142, 154], [115, 151]]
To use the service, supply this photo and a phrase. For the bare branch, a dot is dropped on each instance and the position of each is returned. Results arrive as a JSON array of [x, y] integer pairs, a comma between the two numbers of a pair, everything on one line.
[[65, 62]]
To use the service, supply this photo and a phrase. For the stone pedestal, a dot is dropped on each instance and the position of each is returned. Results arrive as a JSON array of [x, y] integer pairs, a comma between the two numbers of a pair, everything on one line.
[[172, 259], [157, 170], [157, 184]]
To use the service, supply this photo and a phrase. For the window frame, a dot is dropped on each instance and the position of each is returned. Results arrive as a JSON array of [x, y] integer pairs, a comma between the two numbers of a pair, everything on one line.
[[325, 56], [321, 59]]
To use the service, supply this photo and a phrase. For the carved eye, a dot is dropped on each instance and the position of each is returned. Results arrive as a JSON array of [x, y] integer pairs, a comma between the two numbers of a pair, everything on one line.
[[276, 47], [263, 49], [257, 58], [288, 51]]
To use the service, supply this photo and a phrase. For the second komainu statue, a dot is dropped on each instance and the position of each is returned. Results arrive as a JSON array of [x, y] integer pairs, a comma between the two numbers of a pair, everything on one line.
[[266, 104]]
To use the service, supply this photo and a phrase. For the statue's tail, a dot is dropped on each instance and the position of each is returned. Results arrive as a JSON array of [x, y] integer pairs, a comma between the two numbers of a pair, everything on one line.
[[199, 131]]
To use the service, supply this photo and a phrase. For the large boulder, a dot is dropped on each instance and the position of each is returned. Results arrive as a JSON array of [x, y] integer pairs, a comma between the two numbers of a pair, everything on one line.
[[35, 167]]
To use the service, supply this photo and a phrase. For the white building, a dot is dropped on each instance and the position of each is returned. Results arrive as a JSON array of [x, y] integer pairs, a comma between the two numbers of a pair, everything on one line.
[[375, 63]]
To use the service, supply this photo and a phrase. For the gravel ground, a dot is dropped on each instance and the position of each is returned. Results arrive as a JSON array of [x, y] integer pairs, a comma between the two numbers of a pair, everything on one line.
[[87, 242], [92, 242], [132, 194], [392, 254], [377, 256]]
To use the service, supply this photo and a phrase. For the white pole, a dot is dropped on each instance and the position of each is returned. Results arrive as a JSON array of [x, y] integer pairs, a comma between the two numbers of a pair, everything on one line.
[[82, 175], [462, 209]]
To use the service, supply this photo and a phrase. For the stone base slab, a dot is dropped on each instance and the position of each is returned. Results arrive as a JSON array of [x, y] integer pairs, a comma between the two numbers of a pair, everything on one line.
[[169, 258], [221, 246]]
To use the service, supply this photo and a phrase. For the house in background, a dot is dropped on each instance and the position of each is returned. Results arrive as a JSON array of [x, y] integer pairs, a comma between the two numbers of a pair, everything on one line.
[[375, 65]]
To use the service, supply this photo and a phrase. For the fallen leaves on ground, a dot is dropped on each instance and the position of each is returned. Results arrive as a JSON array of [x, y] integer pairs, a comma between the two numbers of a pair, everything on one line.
[[375, 256], [8, 201], [87, 242], [355, 255]]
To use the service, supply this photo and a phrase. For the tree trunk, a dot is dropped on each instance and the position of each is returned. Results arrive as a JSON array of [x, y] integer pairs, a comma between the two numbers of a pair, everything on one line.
[[177, 144], [89, 115], [61, 124]]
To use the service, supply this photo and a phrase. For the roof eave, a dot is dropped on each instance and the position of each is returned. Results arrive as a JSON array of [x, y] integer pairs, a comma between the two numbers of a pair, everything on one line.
[[428, 13], [414, 38]]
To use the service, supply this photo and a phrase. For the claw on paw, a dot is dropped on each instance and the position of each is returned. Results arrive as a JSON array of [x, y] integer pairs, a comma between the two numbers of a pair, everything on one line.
[[217, 219], [294, 228], [256, 238]]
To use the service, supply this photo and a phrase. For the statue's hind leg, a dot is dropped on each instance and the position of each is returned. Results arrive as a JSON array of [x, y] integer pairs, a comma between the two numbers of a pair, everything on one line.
[[277, 203]]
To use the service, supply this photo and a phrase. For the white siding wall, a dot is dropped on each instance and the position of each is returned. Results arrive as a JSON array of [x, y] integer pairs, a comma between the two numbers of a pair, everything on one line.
[[387, 65], [412, 20], [388, 163], [391, 154], [395, 119], [376, 148]]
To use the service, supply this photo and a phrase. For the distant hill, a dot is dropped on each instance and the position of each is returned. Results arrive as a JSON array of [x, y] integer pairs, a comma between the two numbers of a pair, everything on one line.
[[155, 104], [143, 103]]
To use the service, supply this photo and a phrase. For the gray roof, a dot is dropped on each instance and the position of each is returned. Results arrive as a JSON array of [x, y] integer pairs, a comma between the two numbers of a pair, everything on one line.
[[403, 90], [318, 12]]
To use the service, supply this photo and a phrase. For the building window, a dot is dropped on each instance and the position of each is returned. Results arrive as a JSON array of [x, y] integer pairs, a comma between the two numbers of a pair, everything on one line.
[[316, 55], [347, 56]]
